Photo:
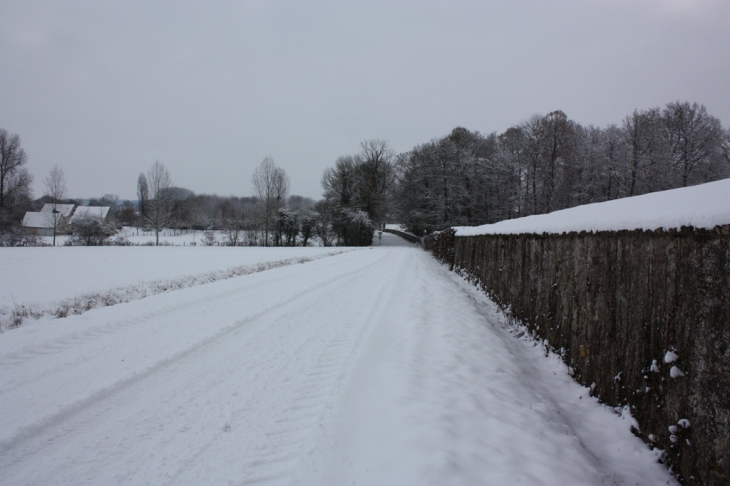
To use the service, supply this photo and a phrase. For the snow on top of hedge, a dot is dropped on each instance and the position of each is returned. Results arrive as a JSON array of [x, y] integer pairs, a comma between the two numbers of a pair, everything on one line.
[[702, 206]]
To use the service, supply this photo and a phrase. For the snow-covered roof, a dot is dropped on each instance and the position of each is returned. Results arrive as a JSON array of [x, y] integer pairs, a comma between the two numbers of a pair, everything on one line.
[[36, 220], [703, 206], [95, 211], [64, 210]]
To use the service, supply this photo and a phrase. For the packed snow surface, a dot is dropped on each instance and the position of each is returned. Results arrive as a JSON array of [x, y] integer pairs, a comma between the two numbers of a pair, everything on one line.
[[369, 367], [703, 206]]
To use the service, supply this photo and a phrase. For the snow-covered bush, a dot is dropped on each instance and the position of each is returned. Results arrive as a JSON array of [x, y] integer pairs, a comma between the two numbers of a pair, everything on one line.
[[120, 241], [307, 224], [90, 230], [354, 228], [209, 238], [287, 227], [18, 236]]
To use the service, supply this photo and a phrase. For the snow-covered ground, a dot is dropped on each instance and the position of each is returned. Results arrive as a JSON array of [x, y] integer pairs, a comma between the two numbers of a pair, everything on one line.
[[41, 275], [702, 206], [369, 367], [140, 237]]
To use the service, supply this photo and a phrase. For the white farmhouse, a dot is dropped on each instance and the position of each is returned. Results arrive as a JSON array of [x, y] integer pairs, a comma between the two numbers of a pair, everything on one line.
[[41, 223]]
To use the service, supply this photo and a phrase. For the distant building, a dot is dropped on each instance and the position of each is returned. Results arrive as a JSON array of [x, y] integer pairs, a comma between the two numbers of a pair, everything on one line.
[[41, 223], [101, 212]]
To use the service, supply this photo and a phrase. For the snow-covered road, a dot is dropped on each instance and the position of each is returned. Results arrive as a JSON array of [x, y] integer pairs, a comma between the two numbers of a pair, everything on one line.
[[370, 367]]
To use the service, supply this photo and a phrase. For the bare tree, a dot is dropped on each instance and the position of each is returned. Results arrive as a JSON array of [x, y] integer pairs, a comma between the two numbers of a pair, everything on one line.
[[376, 178], [615, 150], [560, 134], [161, 200], [231, 221], [512, 144], [695, 141], [725, 153], [533, 143], [641, 128], [55, 192], [271, 188], [143, 193], [323, 222], [15, 180]]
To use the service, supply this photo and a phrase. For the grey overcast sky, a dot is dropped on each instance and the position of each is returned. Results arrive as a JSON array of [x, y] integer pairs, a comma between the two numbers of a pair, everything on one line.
[[105, 88]]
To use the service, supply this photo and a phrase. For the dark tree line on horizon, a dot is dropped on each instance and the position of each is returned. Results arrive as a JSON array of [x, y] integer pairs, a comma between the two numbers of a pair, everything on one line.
[[548, 163], [543, 164]]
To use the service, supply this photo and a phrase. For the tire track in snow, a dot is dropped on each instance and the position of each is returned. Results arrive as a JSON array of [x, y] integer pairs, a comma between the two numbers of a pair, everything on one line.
[[297, 412]]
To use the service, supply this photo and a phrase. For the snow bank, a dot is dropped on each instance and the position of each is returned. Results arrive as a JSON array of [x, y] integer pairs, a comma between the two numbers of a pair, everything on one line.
[[704, 206]]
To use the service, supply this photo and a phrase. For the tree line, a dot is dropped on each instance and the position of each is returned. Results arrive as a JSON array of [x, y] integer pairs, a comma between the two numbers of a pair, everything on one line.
[[547, 163], [271, 217], [543, 164]]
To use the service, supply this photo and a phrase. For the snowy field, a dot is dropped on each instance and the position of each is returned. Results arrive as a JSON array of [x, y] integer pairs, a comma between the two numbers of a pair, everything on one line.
[[369, 367], [702, 206], [44, 276], [139, 237]]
